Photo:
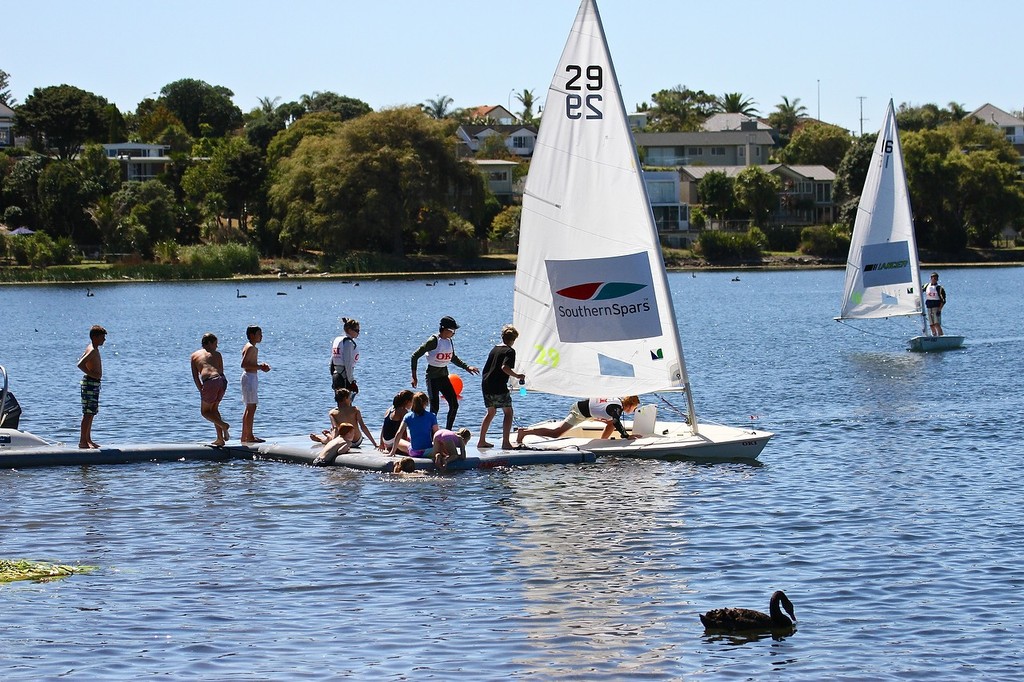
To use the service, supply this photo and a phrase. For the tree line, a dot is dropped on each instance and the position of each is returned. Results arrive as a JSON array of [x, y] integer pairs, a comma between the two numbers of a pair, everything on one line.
[[326, 174]]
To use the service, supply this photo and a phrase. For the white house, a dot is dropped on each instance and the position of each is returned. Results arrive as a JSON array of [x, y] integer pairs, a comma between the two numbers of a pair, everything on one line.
[[498, 174], [519, 139], [1011, 126], [139, 161], [6, 126]]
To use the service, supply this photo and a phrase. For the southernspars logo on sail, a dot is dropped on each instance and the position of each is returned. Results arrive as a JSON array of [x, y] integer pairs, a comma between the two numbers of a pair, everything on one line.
[[604, 299]]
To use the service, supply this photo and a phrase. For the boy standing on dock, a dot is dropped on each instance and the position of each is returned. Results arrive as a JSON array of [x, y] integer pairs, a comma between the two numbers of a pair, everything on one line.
[[500, 366], [208, 375], [91, 366], [250, 381]]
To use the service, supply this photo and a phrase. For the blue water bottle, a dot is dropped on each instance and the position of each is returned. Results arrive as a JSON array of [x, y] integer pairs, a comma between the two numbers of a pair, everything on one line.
[[522, 387]]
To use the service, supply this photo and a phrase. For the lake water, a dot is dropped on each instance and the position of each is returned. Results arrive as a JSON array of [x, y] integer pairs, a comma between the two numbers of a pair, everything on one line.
[[887, 507]]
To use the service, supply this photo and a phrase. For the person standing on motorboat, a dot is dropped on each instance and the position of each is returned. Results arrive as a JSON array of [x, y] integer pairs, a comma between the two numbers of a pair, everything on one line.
[[91, 366], [440, 350], [934, 301], [344, 356]]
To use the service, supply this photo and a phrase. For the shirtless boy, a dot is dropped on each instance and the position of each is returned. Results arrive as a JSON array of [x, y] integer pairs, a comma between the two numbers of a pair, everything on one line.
[[208, 375], [250, 381], [91, 366]]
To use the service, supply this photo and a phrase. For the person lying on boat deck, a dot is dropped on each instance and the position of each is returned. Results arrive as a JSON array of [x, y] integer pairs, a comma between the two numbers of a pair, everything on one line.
[[440, 350], [346, 413], [344, 356], [449, 446], [393, 421], [338, 445], [208, 375], [91, 366], [607, 410], [934, 300], [420, 425]]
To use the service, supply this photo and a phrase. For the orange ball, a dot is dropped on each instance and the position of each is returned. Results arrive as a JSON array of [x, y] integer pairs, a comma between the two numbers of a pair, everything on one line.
[[456, 384]]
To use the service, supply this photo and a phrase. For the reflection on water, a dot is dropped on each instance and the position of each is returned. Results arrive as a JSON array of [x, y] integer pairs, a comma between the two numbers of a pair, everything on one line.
[[588, 568]]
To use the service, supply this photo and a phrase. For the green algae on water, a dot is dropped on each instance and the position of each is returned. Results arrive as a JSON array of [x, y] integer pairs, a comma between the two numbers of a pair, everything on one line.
[[22, 569]]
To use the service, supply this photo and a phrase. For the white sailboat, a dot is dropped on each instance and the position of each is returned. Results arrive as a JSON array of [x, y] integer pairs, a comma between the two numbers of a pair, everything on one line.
[[592, 301], [883, 272]]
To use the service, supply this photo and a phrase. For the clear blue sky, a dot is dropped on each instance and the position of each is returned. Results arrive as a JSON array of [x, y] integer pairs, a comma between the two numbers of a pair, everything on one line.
[[392, 52]]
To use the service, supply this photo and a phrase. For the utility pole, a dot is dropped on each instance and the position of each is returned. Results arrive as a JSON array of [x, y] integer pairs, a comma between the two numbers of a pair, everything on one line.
[[819, 99], [861, 98]]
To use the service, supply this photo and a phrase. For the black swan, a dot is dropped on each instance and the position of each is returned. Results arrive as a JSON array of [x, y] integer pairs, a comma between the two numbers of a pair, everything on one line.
[[747, 620], [239, 294]]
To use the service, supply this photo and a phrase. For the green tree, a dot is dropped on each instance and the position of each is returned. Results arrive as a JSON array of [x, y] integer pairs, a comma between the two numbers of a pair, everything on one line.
[[195, 103], [757, 192], [736, 103], [379, 182], [527, 99], [153, 126], [21, 188], [495, 147], [505, 225], [287, 141], [992, 196], [270, 118], [679, 109], [817, 143], [5, 90], [62, 118], [151, 205], [63, 199], [786, 117], [912, 118], [853, 169], [716, 192], [229, 182], [117, 127], [439, 107], [345, 107]]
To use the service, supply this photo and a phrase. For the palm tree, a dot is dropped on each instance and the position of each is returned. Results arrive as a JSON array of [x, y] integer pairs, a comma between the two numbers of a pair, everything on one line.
[[736, 103], [786, 117], [439, 107], [526, 98], [268, 104]]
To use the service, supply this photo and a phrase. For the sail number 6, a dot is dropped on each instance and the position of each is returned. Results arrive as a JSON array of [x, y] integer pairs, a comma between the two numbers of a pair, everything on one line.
[[546, 356], [577, 105]]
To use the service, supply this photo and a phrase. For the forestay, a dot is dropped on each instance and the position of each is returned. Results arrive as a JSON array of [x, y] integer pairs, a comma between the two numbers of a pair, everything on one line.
[[592, 302], [883, 272]]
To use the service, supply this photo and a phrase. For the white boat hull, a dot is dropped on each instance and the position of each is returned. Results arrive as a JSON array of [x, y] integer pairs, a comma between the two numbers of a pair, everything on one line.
[[672, 440], [926, 344]]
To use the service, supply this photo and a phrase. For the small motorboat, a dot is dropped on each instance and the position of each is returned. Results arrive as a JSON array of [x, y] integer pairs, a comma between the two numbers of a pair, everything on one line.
[[10, 416]]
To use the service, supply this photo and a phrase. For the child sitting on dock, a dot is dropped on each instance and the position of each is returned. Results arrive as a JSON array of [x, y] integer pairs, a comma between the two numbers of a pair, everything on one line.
[[419, 425], [400, 406], [449, 446], [346, 413], [338, 445]]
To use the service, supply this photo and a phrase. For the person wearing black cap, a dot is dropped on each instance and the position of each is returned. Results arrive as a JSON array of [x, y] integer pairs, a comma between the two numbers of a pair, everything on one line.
[[440, 350]]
